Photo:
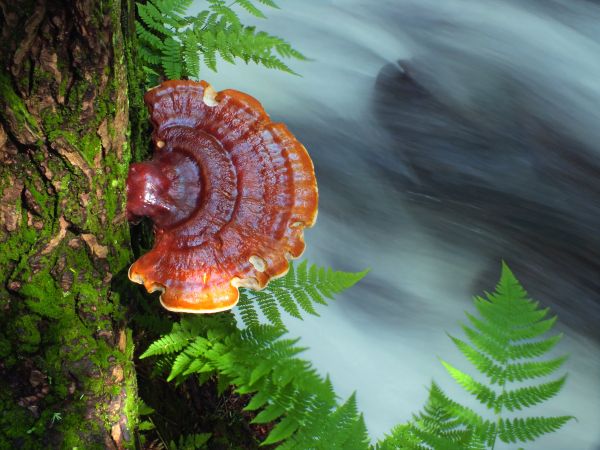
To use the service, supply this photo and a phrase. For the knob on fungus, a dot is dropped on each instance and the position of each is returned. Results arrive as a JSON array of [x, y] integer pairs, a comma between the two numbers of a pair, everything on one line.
[[229, 193]]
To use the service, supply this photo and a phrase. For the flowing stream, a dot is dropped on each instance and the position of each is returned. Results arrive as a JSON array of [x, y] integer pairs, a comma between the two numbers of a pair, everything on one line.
[[447, 135]]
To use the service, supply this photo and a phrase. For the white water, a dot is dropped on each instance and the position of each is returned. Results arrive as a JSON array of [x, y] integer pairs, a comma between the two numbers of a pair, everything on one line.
[[494, 156]]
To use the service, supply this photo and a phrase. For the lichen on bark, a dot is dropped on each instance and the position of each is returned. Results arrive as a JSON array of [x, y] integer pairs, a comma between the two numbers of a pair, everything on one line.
[[65, 351]]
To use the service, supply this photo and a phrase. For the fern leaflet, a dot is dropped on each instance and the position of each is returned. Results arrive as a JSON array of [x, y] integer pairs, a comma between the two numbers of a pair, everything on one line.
[[505, 333], [284, 388], [172, 44], [297, 292]]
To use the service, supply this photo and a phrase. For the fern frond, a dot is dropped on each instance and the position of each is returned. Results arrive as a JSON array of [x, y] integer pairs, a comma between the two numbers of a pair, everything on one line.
[[401, 438], [220, 12], [488, 344], [528, 370], [248, 312], [181, 363], [481, 362], [173, 7], [190, 54], [223, 46], [483, 393], [209, 50], [438, 400], [443, 424], [345, 428], [261, 362], [170, 343], [175, 43], [147, 38], [172, 62], [152, 18], [533, 349], [298, 291], [529, 429], [282, 430], [248, 6], [148, 55], [505, 339], [491, 332], [530, 395], [533, 330]]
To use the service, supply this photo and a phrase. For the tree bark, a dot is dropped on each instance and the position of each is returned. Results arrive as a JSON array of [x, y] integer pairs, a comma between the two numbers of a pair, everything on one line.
[[66, 373]]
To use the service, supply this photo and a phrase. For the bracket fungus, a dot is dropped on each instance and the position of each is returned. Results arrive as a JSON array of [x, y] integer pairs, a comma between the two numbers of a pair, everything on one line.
[[229, 193]]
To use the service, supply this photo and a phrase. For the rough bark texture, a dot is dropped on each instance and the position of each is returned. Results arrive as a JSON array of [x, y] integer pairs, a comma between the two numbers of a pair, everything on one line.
[[66, 376]]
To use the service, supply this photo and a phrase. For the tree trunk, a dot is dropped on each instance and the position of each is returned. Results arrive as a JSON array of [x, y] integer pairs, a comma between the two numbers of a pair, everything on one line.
[[66, 373]]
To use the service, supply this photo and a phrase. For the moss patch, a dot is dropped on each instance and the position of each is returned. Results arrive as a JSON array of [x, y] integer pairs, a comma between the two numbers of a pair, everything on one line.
[[60, 317]]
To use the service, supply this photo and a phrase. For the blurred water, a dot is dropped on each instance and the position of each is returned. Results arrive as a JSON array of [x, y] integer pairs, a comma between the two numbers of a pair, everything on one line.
[[446, 134]]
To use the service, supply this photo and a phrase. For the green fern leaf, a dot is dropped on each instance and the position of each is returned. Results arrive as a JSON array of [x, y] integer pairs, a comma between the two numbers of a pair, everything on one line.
[[248, 6], [483, 393], [534, 330], [181, 363], [439, 401], [284, 387], [282, 430], [191, 47], [269, 306], [223, 46], [481, 362], [222, 12], [530, 395], [171, 58], [505, 338], [259, 361], [533, 349], [488, 344], [152, 18], [149, 56], [209, 50], [260, 371], [286, 301], [173, 7], [247, 311], [528, 370], [147, 38], [198, 347], [347, 426], [443, 424], [196, 366], [171, 343], [490, 331], [271, 413], [529, 429], [258, 400], [298, 291], [174, 44]]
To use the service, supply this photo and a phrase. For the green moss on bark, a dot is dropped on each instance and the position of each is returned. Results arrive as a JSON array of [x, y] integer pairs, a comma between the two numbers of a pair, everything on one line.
[[66, 354], [18, 110]]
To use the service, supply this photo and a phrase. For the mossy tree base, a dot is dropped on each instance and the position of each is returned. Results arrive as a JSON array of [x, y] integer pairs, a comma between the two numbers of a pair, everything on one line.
[[66, 374]]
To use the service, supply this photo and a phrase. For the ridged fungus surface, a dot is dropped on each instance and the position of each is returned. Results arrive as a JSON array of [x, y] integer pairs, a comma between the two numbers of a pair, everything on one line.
[[229, 193]]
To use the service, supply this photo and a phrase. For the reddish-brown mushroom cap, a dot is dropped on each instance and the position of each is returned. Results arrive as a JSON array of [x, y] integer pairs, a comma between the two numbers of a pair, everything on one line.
[[229, 193]]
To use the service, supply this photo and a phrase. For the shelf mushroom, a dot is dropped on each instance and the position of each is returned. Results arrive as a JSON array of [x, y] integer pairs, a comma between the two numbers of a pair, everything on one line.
[[229, 193]]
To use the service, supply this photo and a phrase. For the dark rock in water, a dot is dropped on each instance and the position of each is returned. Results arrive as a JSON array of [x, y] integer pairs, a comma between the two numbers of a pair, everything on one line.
[[534, 201]]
